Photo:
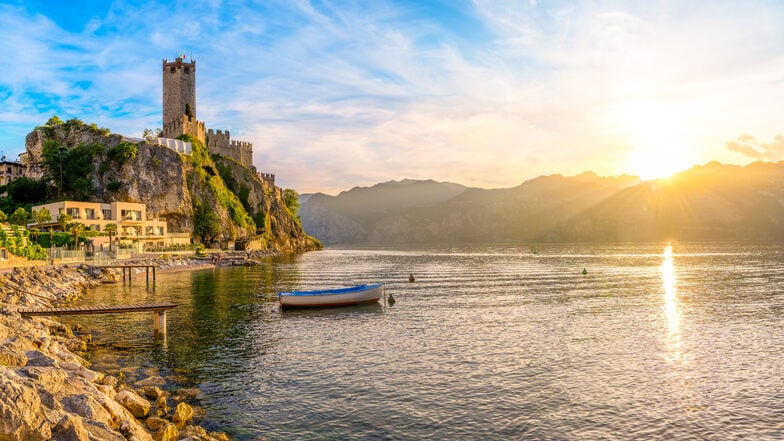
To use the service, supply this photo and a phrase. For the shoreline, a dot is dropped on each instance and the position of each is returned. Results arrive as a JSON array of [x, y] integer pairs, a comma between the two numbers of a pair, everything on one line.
[[48, 391]]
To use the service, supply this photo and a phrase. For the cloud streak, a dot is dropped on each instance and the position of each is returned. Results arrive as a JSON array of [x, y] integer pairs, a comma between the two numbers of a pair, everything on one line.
[[749, 147]]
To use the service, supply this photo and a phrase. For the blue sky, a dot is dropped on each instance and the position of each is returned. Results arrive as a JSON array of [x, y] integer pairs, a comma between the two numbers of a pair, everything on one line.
[[489, 93]]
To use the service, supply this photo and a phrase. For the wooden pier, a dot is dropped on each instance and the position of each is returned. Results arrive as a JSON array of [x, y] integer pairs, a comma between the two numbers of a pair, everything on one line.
[[129, 268], [158, 309]]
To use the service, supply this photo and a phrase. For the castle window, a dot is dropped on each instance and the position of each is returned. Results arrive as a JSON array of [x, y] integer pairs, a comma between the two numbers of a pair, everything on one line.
[[187, 70], [172, 70]]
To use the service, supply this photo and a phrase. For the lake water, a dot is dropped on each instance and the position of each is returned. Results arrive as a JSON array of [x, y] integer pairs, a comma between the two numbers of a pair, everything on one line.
[[490, 342]]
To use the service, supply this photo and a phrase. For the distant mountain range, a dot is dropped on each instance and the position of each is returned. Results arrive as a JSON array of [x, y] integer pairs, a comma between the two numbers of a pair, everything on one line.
[[710, 202]]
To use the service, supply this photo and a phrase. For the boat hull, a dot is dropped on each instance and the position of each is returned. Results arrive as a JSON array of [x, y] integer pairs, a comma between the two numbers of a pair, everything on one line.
[[332, 297]]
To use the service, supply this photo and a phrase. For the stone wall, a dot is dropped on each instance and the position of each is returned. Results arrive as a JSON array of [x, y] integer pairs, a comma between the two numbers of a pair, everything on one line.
[[184, 125], [220, 142]]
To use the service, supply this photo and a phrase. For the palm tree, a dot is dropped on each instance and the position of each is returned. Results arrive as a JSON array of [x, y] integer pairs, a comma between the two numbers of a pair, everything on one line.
[[64, 220], [75, 228], [111, 229]]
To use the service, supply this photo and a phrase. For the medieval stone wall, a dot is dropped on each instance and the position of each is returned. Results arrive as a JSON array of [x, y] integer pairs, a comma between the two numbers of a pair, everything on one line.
[[220, 142], [185, 125]]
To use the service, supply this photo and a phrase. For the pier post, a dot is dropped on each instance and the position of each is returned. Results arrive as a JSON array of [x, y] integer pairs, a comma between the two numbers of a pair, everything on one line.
[[147, 273], [159, 322]]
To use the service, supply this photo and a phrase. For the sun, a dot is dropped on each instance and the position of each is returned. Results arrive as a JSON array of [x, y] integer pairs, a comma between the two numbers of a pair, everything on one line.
[[658, 138]]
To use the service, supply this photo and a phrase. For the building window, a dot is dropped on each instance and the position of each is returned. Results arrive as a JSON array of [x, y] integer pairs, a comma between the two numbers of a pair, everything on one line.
[[131, 215], [89, 213], [73, 212], [95, 227], [107, 214]]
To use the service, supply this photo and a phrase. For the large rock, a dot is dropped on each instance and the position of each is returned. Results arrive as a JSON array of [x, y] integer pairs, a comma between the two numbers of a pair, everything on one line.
[[70, 428], [48, 378], [166, 433], [86, 407], [12, 352], [154, 380], [138, 406], [182, 413], [22, 417]]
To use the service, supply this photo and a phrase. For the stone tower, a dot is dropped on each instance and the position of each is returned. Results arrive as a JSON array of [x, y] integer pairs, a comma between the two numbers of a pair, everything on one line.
[[179, 100]]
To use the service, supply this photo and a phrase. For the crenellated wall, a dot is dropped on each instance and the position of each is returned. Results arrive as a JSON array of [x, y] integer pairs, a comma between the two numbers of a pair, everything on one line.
[[220, 142], [269, 178], [185, 125]]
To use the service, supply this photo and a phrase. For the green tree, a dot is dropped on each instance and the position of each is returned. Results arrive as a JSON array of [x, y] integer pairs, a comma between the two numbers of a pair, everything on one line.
[[75, 228], [68, 169], [54, 121], [291, 199], [206, 223], [3, 217], [41, 217], [24, 190], [64, 220], [19, 217], [152, 135], [111, 229], [123, 152]]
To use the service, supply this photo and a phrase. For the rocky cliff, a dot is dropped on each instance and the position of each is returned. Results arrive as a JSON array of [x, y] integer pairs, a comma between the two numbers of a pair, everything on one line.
[[172, 185]]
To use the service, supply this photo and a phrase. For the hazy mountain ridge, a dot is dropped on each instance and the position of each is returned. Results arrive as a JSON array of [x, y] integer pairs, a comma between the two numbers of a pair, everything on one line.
[[709, 202]]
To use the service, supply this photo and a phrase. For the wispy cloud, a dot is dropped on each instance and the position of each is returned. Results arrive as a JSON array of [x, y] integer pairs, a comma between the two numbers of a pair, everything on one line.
[[486, 93], [749, 147]]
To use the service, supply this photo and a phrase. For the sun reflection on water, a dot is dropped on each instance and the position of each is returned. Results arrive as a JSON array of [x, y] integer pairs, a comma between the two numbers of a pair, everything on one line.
[[671, 308]]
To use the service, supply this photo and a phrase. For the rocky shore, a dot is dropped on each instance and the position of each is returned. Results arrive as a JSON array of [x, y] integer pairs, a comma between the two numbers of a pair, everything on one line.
[[47, 390]]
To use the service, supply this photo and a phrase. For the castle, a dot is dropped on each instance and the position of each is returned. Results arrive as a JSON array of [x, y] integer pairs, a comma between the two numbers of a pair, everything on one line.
[[179, 116]]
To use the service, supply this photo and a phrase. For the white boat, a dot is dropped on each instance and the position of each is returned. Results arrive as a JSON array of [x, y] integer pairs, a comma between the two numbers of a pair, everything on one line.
[[333, 297]]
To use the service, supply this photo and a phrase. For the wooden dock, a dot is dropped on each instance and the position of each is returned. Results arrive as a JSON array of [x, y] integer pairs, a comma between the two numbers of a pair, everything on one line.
[[158, 309], [129, 268]]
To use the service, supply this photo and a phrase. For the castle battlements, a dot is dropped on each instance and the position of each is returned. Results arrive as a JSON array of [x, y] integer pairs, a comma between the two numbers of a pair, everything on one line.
[[178, 63], [179, 117], [269, 178], [185, 125], [220, 142]]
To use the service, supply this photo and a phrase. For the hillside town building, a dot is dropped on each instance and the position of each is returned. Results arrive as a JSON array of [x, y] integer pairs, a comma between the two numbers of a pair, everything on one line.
[[10, 170]]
